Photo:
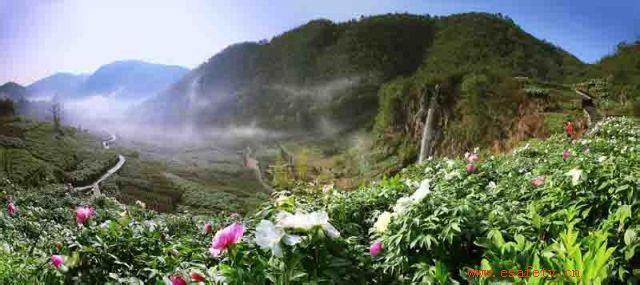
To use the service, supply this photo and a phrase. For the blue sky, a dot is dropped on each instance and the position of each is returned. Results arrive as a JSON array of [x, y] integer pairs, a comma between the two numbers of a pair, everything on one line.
[[41, 37]]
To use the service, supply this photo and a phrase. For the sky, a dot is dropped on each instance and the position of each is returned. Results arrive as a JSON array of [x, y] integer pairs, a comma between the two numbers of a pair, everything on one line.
[[42, 37]]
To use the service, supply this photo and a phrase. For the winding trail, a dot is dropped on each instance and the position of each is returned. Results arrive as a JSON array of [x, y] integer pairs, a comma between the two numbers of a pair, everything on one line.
[[252, 163], [95, 185]]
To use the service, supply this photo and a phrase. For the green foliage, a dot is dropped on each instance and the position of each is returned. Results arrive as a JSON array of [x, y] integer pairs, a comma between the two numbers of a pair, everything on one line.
[[581, 221]]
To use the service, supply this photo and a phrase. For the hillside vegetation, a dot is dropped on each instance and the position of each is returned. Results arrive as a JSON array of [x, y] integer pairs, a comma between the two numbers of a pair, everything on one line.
[[559, 204], [332, 72], [373, 75]]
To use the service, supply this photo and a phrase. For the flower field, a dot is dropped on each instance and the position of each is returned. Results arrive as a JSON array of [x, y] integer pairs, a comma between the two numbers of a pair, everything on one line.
[[559, 204]]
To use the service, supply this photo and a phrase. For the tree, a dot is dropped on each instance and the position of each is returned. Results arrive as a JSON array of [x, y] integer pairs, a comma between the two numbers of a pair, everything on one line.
[[56, 112], [7, 108]]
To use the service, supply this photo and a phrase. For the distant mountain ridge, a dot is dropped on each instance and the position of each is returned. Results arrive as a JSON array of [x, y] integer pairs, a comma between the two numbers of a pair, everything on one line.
[[12, 91], [56, 85], [127, 79]]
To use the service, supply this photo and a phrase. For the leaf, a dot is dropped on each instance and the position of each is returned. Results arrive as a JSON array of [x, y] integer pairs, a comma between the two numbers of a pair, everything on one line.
[[629, 236]]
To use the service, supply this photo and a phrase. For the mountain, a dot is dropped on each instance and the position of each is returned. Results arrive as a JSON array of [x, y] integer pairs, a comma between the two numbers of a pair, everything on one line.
[[13, 91], [130, 79], [374, 73], [56, 84], [321, 71]]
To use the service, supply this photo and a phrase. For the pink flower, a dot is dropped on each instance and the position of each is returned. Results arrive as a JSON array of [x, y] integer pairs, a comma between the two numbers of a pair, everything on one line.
[[207, 228], [537, 181], [225, 238], [470, 168], [83, 214], [375, 248], [177, 280], [12, 209], [471, 157], [57, 260], [197, 277], [566, 154]]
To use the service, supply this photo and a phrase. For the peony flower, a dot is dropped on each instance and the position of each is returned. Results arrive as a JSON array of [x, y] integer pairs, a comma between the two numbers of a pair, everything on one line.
[[381, 225], [470, 168], [302, 221], [57, 260], [268, 236], [327, 188], [575, 176], [375, 248], [105, 224], [471, 157], [225, 238], [141, 204], [402, 205], [537, 181], [451, 175], [83, 214], [566, 154], [422, 191], [12, 209], [197, 277], [492, 185], [569, 129], [178, 280], [207, 229]]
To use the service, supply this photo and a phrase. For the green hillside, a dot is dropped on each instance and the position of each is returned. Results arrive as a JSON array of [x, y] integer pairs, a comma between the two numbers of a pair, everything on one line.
[[334, 70], [565, 205], [36, 154], [621, 72]]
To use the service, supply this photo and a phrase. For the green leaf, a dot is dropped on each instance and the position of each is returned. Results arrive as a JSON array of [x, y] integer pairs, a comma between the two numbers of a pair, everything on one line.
[[629, 236]]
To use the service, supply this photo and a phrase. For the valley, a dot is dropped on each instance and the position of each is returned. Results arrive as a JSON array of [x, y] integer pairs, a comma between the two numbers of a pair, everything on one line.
[[389, 149]]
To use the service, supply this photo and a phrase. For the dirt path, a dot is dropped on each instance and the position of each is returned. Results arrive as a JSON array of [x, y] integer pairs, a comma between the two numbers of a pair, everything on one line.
[[252, 163], [95, 185]]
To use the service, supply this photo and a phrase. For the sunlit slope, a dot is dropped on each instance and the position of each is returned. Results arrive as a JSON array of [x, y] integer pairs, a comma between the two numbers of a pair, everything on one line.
[[560, 204], [331, 72]]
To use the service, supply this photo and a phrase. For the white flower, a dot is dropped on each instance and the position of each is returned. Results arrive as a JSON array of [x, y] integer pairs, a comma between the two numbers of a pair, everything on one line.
[[151, 224], [292, 239], [268, 236], [327, 188], [422, 191], [451, 175], [492, 185], [141, 204], [304, 221], [402, 204], [105, 224], [381, 225], [602, 159], [410, 183], [575, 176]]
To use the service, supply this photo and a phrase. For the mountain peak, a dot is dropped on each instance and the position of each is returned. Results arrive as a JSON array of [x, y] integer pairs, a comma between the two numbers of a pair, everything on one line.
[[13, 91]]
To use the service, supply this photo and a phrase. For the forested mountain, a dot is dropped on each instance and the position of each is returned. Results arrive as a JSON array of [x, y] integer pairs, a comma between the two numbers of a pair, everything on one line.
[[373, 73]]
